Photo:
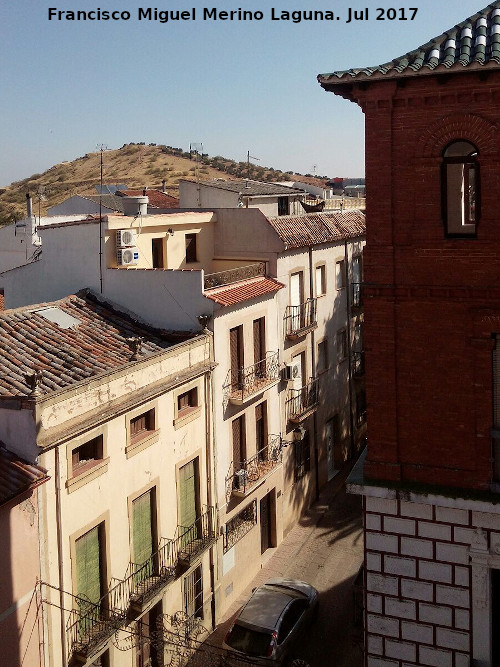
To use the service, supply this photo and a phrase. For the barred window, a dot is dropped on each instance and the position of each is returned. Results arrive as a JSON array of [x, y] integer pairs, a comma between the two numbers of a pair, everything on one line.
[[240, 525]]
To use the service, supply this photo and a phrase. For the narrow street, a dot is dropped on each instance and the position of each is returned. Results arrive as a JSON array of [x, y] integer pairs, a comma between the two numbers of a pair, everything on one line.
[[326, 550]]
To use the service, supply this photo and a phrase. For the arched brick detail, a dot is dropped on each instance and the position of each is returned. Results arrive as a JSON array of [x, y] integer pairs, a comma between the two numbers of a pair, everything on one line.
[[471, 127]]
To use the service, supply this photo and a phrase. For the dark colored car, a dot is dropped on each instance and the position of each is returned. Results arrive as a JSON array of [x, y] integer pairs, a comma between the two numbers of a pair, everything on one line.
[[268, 626]]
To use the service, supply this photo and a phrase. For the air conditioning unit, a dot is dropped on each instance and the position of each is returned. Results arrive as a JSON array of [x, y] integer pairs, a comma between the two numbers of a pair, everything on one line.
[[127, 256], [125, 238], [291, 372]]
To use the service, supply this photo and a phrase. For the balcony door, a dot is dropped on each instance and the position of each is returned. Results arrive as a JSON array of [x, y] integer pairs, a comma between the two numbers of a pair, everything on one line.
[[297, 299], [189, 500], [259, 341], [261, 436], [267, 509], [239, 443], [143, 538], [236, 356], [89, 558], [299, 371], [147, 652]]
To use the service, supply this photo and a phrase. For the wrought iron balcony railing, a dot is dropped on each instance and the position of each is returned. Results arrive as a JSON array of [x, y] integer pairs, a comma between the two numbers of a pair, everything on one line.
[[91, 624], [302, 402], [358, 364], [241, 383], [222, 278], [191, 541], [300, 319], [244, 475], [356, 295], [146, 579]]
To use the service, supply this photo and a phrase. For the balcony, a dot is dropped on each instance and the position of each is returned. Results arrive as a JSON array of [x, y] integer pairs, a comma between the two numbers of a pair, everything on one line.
[[356, 295], [243, 477], [300, 319], [302, 402], [90, 625], [243, 383], [358, 364], [222, 278]]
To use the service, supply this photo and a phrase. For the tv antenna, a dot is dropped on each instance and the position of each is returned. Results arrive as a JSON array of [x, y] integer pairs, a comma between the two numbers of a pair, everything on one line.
[[314, 168], [248, 165], [196, 149], [101, 148]]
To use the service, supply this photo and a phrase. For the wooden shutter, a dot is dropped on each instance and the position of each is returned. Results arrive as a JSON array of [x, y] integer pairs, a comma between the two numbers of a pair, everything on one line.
[[239, 442], [236, 354], [188, 493], [261, 429], [259, 345], [89, 565], [142, 527]]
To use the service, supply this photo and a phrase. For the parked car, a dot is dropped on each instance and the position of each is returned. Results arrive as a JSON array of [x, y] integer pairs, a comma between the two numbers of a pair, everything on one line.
[[268, 626]]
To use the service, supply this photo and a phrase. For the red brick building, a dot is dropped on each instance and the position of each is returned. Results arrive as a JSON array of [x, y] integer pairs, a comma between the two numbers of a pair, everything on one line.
[[431, 477]]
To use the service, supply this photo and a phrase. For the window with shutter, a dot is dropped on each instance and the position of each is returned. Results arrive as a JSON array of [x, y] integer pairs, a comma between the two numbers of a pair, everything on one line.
[[89, 564], [143, 538], [320, 280], [236, 355], [142, 425], [189, 494], [261, 430], [191, 253], [239, 442]]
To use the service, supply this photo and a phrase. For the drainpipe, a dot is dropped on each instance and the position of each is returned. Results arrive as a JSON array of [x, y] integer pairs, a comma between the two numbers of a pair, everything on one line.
[[313, 364], [44, 639], [211, 478], [349, 348], [59, 553]]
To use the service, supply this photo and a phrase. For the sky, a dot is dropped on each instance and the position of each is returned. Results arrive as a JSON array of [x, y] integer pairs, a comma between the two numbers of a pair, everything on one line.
[[69, 86]]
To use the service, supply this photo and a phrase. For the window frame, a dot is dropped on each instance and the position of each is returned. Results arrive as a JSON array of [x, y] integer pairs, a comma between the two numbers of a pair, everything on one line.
[[135, 443], [78, 476], [342, 274], [191, 248], [184, 416], [451, 227], [322, 345], [322, 269], [302, 457], [342, 350]]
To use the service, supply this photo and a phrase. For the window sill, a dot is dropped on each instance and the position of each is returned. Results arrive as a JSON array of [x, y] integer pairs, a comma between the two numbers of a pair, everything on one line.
[[184, 418], [87, 475], [146, 441]]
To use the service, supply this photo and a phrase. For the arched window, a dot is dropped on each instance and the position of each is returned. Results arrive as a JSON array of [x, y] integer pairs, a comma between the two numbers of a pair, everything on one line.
[[460, 189]]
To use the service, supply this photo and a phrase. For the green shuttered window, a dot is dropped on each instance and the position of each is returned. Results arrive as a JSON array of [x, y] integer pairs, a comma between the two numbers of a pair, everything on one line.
[[142, 527], [88, 551]]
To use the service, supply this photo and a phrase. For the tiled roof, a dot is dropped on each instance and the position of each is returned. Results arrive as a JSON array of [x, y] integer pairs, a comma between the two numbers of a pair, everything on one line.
[[243, 291], [298, 231], [97, 343], [252, 188], [112, 202], [473, 43], [17, 475], [157, 199]]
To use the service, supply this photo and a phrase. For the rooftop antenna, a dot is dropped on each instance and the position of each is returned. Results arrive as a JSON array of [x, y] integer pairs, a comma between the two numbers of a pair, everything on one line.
[[102, 148], [248, 165], [40, 195], [196, 148], [314, 167]]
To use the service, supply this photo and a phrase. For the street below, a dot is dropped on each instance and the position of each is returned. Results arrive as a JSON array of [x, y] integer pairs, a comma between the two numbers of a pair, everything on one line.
[[325, 549]]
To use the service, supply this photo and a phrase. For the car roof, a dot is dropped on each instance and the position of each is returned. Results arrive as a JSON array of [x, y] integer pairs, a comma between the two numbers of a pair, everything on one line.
[[267, 604]]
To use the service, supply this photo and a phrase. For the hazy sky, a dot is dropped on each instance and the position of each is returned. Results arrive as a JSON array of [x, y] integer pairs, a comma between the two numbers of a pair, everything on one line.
[[233, 85]]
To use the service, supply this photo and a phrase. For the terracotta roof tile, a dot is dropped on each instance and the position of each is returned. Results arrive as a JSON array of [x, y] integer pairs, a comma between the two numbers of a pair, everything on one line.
[[95, 343], [243, 291], [472, 43], [17, 475], [297, 231]]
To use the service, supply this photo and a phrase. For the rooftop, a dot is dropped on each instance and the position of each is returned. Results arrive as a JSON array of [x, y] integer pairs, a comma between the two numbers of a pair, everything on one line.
[[17, 475], [472, 44], [70, 340], [157, 198], [252, 188], [229, 295], [298, 231]]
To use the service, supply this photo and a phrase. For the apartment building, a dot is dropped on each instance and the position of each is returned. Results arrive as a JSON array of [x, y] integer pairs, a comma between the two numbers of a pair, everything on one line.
[[116, 412], [432, 319], [282, 297]]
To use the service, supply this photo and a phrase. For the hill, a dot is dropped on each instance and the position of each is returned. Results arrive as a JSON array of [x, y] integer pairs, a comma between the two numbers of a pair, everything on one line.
[[137, 166]]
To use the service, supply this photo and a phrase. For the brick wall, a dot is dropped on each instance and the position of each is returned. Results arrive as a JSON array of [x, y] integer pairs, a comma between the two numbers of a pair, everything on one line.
[[428, 370]]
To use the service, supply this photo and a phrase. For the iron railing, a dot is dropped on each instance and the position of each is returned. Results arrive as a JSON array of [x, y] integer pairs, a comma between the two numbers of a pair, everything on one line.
[[243, 382], [358, 364], [146, 579], [191, 541], [222, 278], [356, 295], [299, 319], [243, 475], [302, 401]]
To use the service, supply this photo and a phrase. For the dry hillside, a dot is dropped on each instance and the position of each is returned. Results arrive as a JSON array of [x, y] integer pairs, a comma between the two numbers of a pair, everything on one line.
[[136, 165]]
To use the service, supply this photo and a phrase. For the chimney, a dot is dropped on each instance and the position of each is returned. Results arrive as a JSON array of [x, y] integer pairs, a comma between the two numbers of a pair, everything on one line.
[[164, 186], [29, 205], [144, 192]]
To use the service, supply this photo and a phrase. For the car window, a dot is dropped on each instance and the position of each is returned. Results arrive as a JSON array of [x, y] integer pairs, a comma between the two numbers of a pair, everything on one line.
[[249, 641], [290, 618]]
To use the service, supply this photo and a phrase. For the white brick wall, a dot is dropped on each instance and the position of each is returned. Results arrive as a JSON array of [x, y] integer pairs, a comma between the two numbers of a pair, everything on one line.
[[456, 597], [435, 657], [400, 526], [374, 562], [437, 614], [407, 567], [416, 547], [400, 608], [380, 662], [382, 625], [378, 583], [417, 632], [435, 531], [452, 516], [433, 571], [452, 553], [417, 590], [381, 505], [452, 639], [417, 510], [374, 603], [373, 522], [400, 650], [381, 542]]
